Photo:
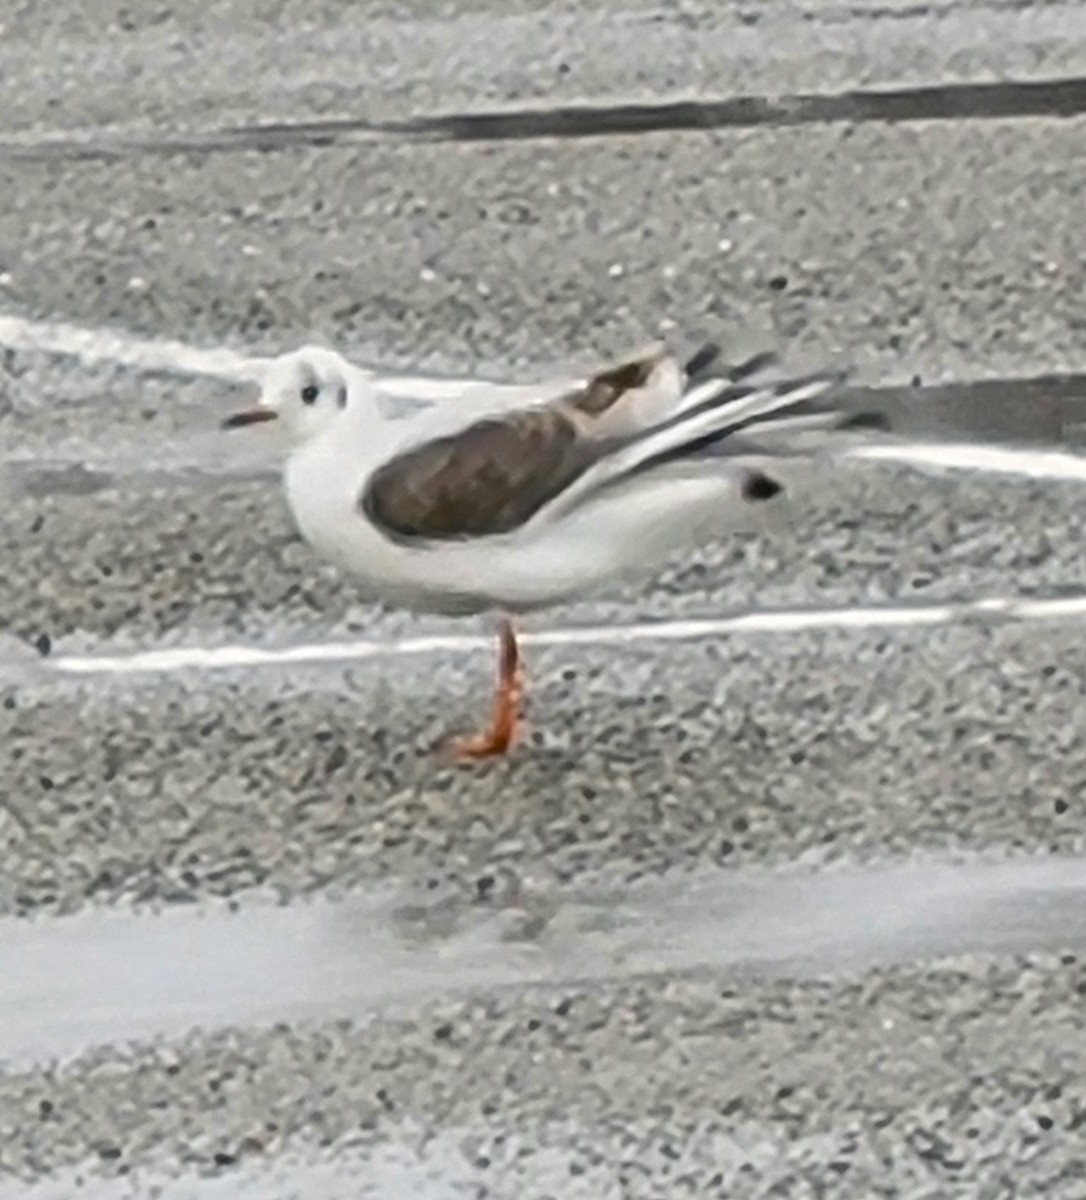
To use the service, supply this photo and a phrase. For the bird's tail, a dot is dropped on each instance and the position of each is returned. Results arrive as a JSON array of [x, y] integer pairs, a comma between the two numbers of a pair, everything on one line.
[[734, 417]]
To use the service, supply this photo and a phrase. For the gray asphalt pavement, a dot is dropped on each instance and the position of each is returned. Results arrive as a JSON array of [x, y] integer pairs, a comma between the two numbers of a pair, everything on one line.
[[939, 250], [176, 69], [792, 912]]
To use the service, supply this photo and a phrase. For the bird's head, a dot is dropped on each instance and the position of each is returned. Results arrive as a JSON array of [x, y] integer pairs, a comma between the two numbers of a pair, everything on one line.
[[305, 392]]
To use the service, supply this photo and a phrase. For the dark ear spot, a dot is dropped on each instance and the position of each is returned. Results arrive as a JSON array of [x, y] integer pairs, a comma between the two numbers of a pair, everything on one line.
[[341, 395], [757, 487]]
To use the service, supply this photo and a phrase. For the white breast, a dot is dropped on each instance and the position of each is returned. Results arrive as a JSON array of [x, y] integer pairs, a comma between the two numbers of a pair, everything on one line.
[[323, 486]]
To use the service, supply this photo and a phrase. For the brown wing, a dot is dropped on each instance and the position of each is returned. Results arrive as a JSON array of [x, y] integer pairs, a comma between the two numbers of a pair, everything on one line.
[[487, 479], [496, 474], [602, 390]]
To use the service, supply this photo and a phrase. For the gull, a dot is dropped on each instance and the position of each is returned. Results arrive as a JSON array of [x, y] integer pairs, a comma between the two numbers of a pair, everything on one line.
[[508, 499]]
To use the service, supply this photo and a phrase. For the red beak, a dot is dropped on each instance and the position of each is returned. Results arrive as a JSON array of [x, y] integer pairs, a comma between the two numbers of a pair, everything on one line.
[[251, 416]]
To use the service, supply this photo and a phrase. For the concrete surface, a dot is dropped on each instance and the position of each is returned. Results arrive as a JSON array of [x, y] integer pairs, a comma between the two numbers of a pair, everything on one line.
[[641, 849], [939, 250], [168, 68]]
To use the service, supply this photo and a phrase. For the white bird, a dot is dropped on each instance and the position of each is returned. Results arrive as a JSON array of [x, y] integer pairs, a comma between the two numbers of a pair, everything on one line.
[[516, 498]]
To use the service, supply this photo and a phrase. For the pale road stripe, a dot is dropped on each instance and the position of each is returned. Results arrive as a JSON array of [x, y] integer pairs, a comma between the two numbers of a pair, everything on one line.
[[409, 1164], [107, 976], [107, 346], [999, 460], [173, 357], [216, 658], [176, 358]]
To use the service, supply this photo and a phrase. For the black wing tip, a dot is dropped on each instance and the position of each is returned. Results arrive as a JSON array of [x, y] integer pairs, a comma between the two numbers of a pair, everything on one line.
[[701, 360], [759, 487], [699, 364], [762, 361]]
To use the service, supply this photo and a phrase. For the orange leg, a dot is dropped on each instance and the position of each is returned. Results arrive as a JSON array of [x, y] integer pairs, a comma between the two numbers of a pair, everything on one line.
[[503, 724]]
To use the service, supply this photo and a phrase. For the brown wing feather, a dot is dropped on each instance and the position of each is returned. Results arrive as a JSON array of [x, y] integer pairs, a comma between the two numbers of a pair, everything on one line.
[[603, 389], [487, 479], [496, 474]]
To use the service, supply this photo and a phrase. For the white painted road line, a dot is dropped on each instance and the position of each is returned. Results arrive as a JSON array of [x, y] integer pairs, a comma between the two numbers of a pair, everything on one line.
[[134, 976], [126, 350], [219, 658], [173, 357], [998, 460], [165, 356]]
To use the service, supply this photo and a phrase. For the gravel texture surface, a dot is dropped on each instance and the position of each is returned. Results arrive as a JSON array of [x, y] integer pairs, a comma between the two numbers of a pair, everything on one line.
[[944, 250]]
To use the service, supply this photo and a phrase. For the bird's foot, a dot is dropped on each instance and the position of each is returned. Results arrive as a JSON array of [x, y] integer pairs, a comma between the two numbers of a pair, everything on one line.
[[495, 741]]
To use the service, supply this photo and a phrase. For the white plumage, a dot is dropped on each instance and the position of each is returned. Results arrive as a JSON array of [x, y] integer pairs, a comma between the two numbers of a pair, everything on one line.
[[515, 498]]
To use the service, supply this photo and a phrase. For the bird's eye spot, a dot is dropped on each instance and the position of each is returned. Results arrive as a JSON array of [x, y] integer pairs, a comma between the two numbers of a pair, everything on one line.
[[310, 393]]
